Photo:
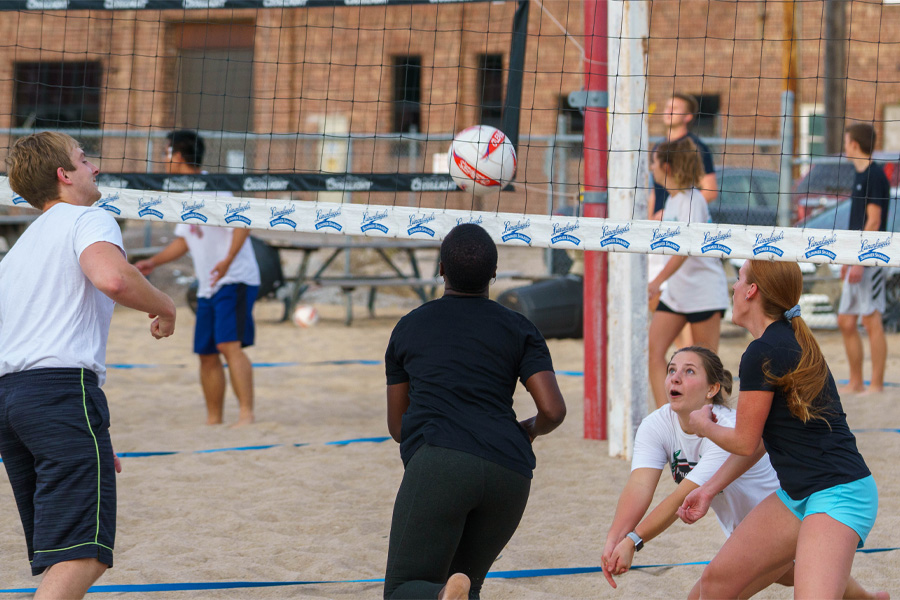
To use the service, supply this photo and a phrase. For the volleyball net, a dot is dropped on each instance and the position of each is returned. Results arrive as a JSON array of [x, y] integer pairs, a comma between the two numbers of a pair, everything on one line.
[[335, 116]]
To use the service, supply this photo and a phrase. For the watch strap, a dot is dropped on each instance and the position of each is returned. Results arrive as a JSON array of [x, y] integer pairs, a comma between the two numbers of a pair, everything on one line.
[[638, 542]]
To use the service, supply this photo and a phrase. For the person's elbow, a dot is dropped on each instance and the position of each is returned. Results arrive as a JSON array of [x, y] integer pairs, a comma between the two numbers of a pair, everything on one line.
[[556, 413], [745, 447], [112, 283]]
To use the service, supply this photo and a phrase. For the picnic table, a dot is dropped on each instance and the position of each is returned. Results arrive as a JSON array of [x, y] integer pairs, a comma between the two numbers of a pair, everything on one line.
[[411, 275]]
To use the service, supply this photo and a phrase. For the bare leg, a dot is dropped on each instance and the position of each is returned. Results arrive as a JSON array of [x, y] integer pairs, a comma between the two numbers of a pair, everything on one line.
[[764, 541], [70, 579], [853, 345], [825, 550], [706, 333], [664, 326], [685, 337], [877, 349], [212, 380], [457, 588], [240, 370]]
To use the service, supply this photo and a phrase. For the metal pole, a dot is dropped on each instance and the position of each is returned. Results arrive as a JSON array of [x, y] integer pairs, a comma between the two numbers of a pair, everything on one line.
[[595, 205], [785, 174], [835, 74]]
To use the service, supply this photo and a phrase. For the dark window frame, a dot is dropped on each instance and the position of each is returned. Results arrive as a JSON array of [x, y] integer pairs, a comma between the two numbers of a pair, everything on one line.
[[491, 89], [57, 94], [406, 108]]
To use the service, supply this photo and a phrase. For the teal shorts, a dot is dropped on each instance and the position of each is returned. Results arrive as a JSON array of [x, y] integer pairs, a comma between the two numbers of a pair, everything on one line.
[[854, 504]]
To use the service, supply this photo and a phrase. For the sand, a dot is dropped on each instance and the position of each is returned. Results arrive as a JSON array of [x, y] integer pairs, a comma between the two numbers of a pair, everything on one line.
[[322, 512]]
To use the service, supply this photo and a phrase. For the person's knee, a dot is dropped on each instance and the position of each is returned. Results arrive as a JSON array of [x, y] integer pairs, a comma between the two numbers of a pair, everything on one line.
[[228, 348], [208, 360], [711, 583], [847, 323], [873, 322]]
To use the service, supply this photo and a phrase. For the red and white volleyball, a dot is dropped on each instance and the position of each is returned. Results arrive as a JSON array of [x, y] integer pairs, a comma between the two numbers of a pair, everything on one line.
[[305, 315], [482, 160]]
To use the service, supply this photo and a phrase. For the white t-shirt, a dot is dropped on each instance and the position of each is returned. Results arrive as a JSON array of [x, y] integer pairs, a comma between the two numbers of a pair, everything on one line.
[[700, 284], [51, 315], [660, 441], [209, 245]]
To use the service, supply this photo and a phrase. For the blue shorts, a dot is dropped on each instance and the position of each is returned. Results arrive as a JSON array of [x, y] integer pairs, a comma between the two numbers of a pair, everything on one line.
[[54, 441], [226, 317], [854, 504]]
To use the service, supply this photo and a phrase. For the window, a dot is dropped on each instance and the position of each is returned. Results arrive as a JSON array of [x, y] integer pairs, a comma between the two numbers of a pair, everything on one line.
[[490, 89], [52, 95], [407, 93], [573, 117], [707, 123], [812, 130]]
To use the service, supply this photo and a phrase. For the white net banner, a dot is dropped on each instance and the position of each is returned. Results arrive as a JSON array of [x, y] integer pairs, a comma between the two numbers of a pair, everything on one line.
[[572, 233]]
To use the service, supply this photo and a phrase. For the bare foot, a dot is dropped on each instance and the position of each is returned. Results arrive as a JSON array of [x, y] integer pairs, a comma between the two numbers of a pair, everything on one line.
[[881, 596], [213, 421], [457, 588], [851, 390], [873, 391], [242, 421]]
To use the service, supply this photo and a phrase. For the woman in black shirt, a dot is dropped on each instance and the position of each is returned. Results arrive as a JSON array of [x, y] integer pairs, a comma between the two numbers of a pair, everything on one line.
[[828, 500], [452, 366]]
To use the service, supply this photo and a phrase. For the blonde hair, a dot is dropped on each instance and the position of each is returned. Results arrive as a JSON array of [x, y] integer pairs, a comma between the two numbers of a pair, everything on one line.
[[683, 159], [32, 164], [780, 285]]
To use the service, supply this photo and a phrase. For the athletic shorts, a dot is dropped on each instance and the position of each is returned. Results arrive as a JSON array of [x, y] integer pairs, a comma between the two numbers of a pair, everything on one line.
[[865, 297], [854, 504], [54, 441], [226, 317], [696, 317]]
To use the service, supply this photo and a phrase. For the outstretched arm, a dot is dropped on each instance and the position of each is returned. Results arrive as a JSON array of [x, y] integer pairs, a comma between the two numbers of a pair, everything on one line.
[[105, 266], [633, 503], [173, 251], [551, 408]]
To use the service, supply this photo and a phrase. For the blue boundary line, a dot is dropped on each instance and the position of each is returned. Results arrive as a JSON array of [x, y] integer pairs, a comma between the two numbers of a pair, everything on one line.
[[228, 585]]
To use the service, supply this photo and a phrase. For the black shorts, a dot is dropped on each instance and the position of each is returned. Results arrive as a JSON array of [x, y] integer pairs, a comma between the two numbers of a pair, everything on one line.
[[54, 442], [696, 317]]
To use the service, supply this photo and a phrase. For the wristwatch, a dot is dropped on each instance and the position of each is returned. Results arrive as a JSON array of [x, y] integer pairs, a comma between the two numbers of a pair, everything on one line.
[[638, 542]]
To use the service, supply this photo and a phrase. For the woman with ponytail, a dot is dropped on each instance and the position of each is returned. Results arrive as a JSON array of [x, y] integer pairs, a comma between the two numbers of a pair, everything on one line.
[[788, 401]]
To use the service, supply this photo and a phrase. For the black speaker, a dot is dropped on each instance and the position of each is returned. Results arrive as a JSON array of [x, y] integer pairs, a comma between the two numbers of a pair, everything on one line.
[[555, 306]]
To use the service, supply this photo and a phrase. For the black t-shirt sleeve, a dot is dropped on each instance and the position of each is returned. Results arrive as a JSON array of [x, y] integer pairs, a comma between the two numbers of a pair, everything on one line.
[[706, 156], [752, 369], [535, 355], [879, 189], [393, 364]]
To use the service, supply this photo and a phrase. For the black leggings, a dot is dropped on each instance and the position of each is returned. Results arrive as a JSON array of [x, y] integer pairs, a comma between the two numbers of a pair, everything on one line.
[[454, 513]]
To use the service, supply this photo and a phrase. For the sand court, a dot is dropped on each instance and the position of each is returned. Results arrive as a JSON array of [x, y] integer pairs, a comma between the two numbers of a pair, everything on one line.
[[308, 510]]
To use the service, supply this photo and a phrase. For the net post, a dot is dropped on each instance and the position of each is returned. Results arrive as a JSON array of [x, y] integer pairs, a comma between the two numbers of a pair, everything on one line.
[[595, 205]]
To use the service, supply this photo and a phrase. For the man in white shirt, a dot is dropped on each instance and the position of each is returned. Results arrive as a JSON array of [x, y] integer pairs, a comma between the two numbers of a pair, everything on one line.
[[228, 278], [58, 286]]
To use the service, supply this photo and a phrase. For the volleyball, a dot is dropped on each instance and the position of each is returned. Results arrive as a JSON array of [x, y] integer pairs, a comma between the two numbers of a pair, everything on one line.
[[482, 160], [305, 315]]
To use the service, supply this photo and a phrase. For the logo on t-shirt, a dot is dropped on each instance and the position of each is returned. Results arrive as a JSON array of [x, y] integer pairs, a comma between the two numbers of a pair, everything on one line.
[[107, 204], [662, 238], [145, 207], [767, 244], [712, 242], [613, 235], [279, 216], [514, 231], [681, 467], [370, 220], [561, 233], [325, 218], [819, 246], [869, 249], [191, 210], [233, 212], [417, 224]]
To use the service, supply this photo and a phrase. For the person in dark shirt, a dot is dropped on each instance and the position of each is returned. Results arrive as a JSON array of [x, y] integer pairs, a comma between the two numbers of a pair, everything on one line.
[[828, 500], [678, 115], [452, 367], [863, 292]]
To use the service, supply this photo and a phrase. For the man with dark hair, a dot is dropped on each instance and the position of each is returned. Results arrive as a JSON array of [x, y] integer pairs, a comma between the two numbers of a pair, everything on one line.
[[679, 115], [863, 293], [188, 145], [452, 366], [228, 278], [58, 286]]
